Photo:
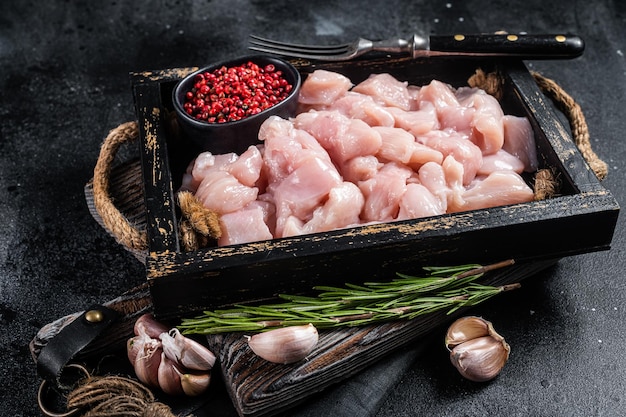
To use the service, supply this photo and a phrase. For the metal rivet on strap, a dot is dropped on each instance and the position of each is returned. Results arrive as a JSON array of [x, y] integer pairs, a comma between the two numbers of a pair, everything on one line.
[[94, 316]]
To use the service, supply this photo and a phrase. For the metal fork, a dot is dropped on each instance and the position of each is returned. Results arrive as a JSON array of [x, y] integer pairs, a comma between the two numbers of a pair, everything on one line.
[[521, 46]]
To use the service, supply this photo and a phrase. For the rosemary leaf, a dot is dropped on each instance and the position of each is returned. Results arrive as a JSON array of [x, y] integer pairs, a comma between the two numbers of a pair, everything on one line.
[[405, 297]]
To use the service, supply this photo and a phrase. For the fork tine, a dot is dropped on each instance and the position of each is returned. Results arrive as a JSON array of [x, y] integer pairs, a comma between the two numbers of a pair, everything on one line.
[[271, 45], [315, 57]]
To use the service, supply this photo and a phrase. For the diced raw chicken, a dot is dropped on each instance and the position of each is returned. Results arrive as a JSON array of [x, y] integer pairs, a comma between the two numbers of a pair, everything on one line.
[[341, 210], [286, 147], [519, 140], [245, 225], [292, 226], [386, 89], [322, 88], [432, 176], [418, 202], [360, 168], [222, 192], [363, 107], [500, 161], [217, 188], [188, 182], [487, 126], [453, 172], [383, 192], [451, 143], [303, 190], [342, 137], [398, 145], [416, 122], [247, 167], [439, 94], [459, 119], [498, 189]]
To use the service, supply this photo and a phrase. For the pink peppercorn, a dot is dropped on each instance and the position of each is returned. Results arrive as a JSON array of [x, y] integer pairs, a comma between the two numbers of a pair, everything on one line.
[[230, 94]]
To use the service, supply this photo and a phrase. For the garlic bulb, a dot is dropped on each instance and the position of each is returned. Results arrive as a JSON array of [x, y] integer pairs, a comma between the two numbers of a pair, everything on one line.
[[476, 349], [168, 360], [285, 345]]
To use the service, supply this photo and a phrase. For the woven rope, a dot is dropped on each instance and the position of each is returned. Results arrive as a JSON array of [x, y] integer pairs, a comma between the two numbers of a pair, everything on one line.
[[109, 396], [578, 124], [125, 233]]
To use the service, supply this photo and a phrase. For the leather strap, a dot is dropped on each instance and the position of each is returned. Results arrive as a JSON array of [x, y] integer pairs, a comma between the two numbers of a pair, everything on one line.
[[72, 339]]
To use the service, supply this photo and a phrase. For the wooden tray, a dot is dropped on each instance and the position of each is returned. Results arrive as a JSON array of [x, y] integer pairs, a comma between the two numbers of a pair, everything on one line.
[[580, 219]]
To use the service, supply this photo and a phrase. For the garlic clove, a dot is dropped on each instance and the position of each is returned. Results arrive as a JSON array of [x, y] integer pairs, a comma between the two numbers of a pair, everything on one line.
[[147, 359], [133, 346], [169, 376], [480, 359], [285, 345], [465, 329], [187, 352], [147, 324], [194, 384]]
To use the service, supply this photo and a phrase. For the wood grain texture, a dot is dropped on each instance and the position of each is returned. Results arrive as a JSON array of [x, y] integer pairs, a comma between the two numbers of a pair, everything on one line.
[[261, 388]]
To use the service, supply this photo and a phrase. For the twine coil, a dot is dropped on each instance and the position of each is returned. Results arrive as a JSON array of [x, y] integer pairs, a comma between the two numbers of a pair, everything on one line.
[[102, 396], [106, 396], [199, 225]]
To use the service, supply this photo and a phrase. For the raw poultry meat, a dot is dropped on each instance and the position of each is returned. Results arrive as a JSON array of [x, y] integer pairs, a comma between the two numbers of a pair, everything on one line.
[[378, 151]]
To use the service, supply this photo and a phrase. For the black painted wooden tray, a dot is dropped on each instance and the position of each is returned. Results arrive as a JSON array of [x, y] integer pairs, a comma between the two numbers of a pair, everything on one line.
[[580, 219]]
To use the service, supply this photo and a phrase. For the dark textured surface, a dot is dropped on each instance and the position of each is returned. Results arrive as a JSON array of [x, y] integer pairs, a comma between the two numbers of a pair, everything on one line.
[[64, 80]]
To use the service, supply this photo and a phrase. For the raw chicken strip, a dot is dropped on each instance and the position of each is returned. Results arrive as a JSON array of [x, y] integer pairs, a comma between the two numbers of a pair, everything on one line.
[[383, 192], [463, 150], [454, 173], [398, 145], [360, 168], [498, 189], [247, 167], [418, 202], [439, 94], [416, 122], [363, 107], [519, 140], [487, 127], [500, 161], [222, 192], [245, 225], [341, 210], [303, 190], [342, 137], [285, 148], [432, 176], [322, 88], [386, 89]]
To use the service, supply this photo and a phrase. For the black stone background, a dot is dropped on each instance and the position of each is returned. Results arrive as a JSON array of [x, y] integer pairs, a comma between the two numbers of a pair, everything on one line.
[[64, 84]]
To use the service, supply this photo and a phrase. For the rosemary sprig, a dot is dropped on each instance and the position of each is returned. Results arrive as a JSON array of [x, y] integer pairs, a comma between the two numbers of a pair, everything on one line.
[[406, 297]]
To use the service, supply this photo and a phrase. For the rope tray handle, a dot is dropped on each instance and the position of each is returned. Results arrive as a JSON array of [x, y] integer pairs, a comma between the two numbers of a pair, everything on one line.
[[118, 225]]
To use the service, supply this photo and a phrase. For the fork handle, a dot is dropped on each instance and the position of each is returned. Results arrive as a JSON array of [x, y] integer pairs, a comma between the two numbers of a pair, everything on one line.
[[519, 46]]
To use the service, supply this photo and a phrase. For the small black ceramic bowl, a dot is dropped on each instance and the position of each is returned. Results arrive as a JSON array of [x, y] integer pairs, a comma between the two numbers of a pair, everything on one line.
[[234, 136]]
